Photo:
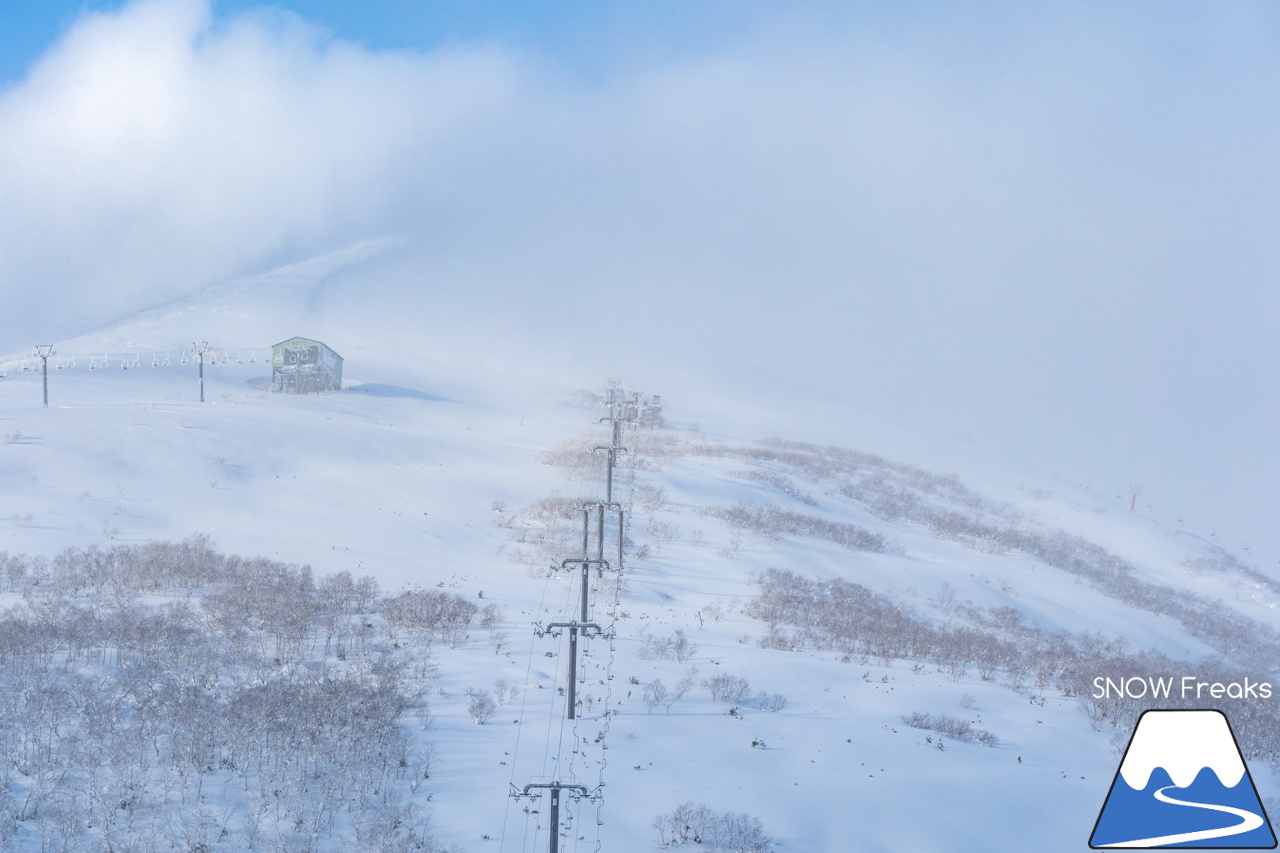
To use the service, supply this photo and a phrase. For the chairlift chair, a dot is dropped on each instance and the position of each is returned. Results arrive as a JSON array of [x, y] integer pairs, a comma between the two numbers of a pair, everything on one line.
[[136, 362], [155, 360], [184, 357], [166, 362]]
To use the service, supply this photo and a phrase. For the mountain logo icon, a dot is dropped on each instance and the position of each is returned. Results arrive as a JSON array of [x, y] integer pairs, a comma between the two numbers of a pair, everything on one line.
[[1183, 783]]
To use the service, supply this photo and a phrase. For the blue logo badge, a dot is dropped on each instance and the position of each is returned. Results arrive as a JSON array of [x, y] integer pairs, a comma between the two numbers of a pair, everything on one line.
[[1183, 783]]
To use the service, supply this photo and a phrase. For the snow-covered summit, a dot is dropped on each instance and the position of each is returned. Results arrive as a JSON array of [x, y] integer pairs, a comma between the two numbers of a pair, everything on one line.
[[1183, 743]]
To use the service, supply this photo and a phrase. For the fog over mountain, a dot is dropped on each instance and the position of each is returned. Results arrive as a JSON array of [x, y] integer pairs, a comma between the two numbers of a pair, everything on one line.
[[1046, 231]]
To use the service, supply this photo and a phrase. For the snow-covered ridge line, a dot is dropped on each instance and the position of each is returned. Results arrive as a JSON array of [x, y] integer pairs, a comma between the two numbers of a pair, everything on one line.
[[950, 511], [1000, 638]]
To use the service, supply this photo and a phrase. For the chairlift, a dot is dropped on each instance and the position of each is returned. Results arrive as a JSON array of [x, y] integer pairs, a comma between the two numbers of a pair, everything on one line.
[[124, 363], [224, 356], [71, 365], [93, 362], [136, 362], [166, 362], [155, 360], [239, 357], [184, 357], [59, 365]]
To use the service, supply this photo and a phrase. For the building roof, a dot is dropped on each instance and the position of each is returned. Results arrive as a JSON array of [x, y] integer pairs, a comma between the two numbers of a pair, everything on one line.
[[299, 340]]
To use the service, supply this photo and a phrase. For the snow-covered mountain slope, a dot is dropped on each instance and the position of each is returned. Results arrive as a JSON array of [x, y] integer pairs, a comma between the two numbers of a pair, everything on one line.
[[455, 461]]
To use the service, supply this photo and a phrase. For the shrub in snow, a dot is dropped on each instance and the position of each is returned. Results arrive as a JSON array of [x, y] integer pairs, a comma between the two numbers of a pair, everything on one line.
[[694, 823], [651, 498], [783, 484], [576, 459], [770, 701], [503, 692], [439, 615], [728, 688], [662, 532], [775, 523], [491, 617], [655, 694], [481, 707], [946, 724], [677, 647], [682, 687]]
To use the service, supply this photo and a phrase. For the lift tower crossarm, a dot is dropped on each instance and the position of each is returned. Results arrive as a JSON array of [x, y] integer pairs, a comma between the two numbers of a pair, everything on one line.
[[582, 626], [554, 788], [574, 628], [579, 561]]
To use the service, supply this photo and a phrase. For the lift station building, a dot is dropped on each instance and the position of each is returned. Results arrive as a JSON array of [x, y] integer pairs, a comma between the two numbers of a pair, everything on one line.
[[304, 366]]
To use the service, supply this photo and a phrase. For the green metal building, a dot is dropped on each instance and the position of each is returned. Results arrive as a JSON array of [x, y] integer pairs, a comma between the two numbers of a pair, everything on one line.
[[304, 366]]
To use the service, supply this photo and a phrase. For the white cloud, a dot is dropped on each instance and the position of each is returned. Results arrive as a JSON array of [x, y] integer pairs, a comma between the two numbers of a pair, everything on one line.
[[1052, 228], [154, 149]]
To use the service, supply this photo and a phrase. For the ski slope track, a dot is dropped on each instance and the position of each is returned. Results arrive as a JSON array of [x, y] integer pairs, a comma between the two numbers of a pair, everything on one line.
[[1248, 822], [453, 461]]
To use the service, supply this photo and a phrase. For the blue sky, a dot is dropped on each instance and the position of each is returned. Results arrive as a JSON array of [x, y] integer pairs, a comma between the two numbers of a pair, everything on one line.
[[584, 36], [30, 27]]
